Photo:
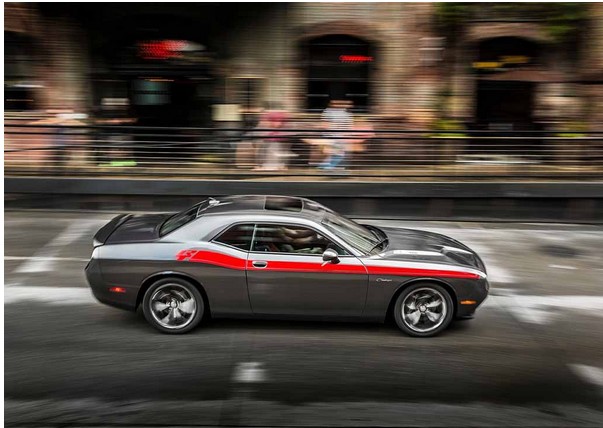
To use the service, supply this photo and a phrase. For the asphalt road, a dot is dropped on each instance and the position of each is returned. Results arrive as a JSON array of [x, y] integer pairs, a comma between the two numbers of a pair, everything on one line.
[[533, 356]]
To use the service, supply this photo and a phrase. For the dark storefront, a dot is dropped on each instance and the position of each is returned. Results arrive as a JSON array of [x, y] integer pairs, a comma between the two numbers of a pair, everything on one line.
[[505, 90], [508, 70], [167, 82], [505, 105], [154, 61], [338, 67]]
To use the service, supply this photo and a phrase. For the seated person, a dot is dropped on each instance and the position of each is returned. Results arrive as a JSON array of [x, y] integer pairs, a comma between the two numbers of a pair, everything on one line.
[[304, 241], [286, 239]]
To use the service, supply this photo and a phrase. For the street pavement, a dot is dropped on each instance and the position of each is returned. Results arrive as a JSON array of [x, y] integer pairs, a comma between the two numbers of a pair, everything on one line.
[[533, 355]]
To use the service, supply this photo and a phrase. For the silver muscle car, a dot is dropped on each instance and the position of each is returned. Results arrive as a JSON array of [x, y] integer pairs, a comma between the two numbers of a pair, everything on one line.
[[281, 257]]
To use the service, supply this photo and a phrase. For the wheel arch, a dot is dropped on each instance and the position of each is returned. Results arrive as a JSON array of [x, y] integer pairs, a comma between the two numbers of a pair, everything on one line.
[[151, 279], [449, 289]]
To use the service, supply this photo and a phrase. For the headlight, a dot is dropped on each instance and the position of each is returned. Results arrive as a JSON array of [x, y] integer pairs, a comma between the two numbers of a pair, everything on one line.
[[95, 253]]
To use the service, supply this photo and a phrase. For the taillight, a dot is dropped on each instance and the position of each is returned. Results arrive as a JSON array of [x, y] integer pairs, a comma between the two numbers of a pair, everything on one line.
[[117, 290]]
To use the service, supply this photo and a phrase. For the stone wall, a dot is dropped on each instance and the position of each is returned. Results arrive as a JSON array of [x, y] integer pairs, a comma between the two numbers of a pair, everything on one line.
[[266, 45], [591, 66], [400, 85]]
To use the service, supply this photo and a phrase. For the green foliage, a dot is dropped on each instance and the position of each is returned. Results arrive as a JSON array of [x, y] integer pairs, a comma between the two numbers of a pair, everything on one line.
[[562, 20], [450, 16], [573, 129], [443, 125]]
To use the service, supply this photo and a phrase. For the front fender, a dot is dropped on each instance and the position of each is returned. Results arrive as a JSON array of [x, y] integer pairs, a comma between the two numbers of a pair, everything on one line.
[[383, 291]]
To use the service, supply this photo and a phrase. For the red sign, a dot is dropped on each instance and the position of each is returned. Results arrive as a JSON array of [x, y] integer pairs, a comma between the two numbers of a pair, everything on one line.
[[355, 59], [161, 49]]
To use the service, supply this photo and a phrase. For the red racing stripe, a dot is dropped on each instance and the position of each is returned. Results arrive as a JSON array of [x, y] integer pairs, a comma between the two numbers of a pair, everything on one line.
[[211, 258], [284, 266], [231, 262]]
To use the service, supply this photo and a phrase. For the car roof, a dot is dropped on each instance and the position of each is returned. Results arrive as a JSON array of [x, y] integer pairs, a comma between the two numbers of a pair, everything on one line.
[[287, 206]]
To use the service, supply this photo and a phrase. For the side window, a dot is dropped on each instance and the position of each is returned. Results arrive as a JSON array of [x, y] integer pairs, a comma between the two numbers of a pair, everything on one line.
[[238, 236], [277, 238]]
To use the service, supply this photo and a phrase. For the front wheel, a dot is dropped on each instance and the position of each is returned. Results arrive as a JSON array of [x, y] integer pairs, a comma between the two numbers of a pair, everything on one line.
[[173, 305], [423, 310]]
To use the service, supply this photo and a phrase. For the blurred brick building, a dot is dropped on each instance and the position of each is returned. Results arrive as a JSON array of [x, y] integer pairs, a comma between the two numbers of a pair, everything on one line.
[[194, 64]]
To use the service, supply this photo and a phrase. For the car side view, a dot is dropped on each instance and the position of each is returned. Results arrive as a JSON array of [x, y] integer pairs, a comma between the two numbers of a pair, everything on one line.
[[281, 257]]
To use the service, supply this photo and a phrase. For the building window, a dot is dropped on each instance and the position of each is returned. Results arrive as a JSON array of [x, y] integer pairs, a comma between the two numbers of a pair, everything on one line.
[[151, 92], [109, 89], [19, 80], [338, 67]]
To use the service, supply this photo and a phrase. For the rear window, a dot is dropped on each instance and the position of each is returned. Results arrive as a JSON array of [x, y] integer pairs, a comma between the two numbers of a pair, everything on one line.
[[238, 236], [180, 219]]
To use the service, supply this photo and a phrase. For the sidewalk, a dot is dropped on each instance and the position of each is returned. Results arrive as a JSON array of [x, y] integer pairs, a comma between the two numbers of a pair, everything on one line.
[[39, 163]]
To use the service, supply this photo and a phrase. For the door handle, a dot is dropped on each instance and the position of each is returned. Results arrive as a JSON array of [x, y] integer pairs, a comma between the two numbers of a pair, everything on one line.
[[259, 264]]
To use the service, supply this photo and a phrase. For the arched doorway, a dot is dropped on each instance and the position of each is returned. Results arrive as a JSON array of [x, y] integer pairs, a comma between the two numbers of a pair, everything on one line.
[[338, 67], [508, 69]]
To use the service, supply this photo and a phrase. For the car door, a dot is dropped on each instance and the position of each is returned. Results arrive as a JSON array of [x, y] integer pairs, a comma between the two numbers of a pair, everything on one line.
[[287, 276]]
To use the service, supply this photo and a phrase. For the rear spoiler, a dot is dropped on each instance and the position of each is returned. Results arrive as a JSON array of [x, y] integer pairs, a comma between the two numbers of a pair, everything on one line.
[[104, 232]]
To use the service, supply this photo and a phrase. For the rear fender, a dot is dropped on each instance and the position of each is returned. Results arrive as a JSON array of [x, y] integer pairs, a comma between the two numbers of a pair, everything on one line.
[[151, 279]]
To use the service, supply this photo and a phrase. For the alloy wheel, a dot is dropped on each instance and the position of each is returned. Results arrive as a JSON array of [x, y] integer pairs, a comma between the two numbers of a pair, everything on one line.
[[173, 306], [424, 310]]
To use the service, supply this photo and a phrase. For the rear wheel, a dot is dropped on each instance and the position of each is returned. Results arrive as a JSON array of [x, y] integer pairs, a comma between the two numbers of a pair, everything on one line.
[[423, 310], [173, 305]]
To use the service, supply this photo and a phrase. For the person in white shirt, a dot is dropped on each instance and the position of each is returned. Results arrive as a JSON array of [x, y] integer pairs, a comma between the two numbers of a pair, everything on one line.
[[338, 122]]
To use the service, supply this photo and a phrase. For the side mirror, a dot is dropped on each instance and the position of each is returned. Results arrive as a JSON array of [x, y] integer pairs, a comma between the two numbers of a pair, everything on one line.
[[330, 256]]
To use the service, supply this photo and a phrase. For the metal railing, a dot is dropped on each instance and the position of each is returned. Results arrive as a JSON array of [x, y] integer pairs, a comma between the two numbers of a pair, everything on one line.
[[128, 151]]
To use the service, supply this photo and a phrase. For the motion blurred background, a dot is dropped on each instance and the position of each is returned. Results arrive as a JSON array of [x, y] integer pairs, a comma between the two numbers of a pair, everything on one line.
[[439, 89], [421, 114]]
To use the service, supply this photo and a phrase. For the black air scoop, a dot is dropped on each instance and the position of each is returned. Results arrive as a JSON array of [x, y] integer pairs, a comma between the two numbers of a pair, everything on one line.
[[420, 245]]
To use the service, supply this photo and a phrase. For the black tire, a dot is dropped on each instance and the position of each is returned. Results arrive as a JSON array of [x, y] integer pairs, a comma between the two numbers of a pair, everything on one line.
[[417, 295], [173, 289]]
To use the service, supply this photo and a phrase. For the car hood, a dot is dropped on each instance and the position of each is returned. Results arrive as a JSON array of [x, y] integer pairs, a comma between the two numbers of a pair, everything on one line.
[[419, 245]]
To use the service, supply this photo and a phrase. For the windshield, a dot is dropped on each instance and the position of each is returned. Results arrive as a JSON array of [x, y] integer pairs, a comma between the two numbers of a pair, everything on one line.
[[181, 218], [351, 232]]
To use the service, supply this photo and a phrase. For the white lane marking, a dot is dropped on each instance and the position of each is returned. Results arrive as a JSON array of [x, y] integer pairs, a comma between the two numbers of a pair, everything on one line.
[[544, 309], [52, 259], [563, 267], [49, 295], [32, 266], [250, 372], [589, 374], [41, 261]]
